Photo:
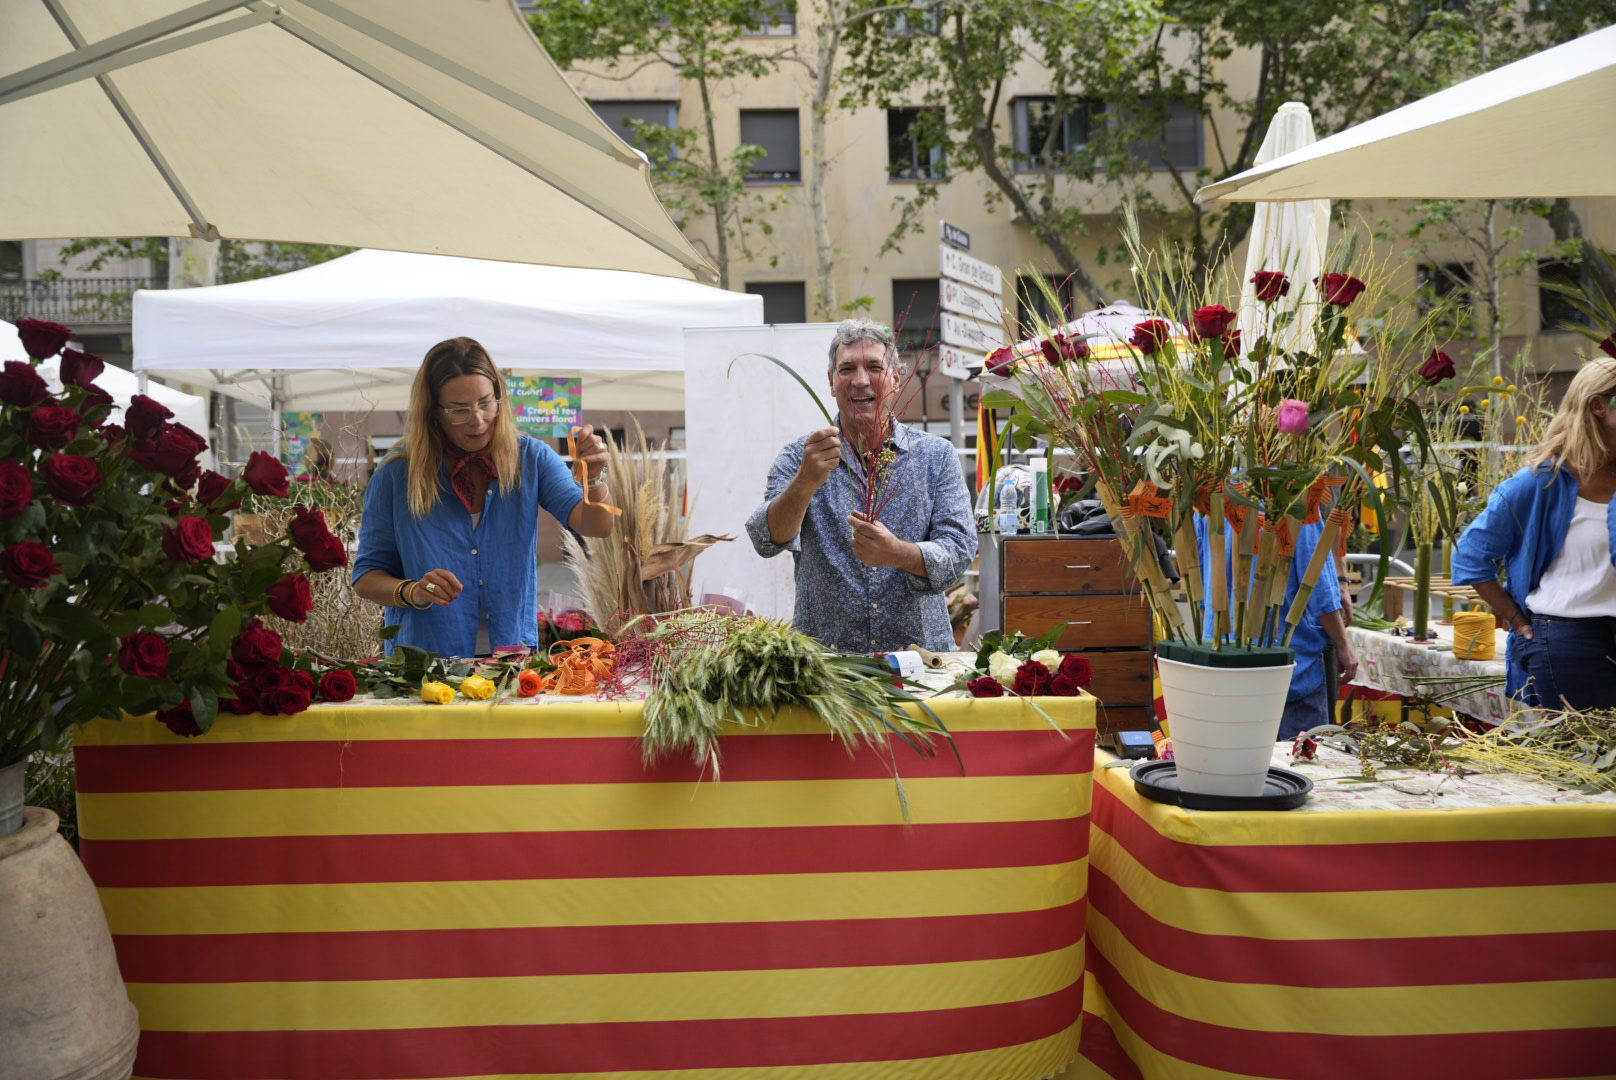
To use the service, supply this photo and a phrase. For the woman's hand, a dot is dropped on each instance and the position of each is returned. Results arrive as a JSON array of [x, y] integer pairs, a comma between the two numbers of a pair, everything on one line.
[[436, 587], [592, 451]]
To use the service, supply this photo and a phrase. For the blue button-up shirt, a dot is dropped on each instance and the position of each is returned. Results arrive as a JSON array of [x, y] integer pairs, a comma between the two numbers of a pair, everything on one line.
[[1309, 640], [496, 561], [854, 608], [1522, 529]]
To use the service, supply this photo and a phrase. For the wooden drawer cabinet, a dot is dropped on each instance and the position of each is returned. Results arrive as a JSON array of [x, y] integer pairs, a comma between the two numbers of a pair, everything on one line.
[[1086, 585]]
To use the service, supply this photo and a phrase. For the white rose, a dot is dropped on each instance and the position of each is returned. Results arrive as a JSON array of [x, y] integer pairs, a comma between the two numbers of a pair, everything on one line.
[[1048, 657], [1003, 666]]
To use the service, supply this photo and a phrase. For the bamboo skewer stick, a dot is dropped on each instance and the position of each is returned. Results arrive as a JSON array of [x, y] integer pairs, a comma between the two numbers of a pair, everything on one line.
[[1321, 555], [1189, 564], [1139, 544], [1216, 533], [1257, 609], [1243, 552]]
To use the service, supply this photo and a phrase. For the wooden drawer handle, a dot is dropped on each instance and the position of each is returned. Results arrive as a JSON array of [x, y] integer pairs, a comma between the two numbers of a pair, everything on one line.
[[1080, 566]]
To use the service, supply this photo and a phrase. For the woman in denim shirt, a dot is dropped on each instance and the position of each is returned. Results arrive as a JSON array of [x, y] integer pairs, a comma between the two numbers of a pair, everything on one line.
[[449, 540], [1550, 526]]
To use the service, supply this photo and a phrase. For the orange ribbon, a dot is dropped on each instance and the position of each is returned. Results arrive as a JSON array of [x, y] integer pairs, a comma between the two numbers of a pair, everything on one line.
[[1144, 502], [1284, 536], [582, 472]]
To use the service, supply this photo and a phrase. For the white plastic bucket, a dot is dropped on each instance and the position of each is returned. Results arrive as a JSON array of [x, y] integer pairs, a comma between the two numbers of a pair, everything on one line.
[[1224, 724]]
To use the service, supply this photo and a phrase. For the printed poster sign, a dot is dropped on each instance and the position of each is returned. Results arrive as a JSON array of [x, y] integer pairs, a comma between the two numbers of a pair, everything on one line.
[[297, 428], [545, 406]]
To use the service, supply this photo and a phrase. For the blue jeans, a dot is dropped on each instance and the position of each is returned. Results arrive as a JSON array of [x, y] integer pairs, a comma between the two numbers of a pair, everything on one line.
[[1304, 713], [1571, 662]]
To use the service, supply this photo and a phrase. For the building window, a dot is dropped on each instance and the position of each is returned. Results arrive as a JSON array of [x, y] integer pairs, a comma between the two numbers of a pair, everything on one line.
[[783, 301], [778, 18], [622, 116], [10, 260], [916, 23], [1032, 305], [1046, 135], [776, 131], [915, 307], [1182, 136], [1445, 288], [1554, 309], [913, 150]]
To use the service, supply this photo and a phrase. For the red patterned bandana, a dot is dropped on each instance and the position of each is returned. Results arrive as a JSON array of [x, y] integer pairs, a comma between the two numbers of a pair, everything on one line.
[[470, 474]]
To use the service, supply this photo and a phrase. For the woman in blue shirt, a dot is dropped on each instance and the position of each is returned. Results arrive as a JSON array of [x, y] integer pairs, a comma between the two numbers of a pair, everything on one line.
[[449, 539], [1550, 528]]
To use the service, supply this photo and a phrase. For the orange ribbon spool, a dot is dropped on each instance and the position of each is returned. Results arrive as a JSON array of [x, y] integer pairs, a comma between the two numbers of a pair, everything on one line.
[[581, 471]]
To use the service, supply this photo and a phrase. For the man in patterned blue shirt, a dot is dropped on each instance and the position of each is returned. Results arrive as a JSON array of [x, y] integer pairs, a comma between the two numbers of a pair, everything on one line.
[[869, 586]]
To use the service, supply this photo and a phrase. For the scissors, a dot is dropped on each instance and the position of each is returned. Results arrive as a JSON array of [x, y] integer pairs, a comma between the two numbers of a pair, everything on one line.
[[581, 471]]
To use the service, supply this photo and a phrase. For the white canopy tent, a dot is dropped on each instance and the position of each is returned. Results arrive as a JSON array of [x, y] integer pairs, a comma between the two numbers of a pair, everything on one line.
[[348, 335], [1541, 127], [415, 125], [188, 409]]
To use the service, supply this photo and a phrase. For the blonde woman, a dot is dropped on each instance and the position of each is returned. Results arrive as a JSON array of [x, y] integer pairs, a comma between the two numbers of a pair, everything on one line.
[[1550, 527], [449, 540]]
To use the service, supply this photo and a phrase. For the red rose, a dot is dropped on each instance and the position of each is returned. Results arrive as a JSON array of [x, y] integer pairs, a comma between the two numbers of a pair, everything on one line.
[[1032, 679], [1339, 289], [96, 400], [1231, 343], [338, 686], [211, 487], [16, 490], [301, 678], [290, 598], [71, 478], [1212, 321], [172, 451], [327, 553], [289, 699], [41, 339], [180, 720], [80, 368], [266, 475], [1271, 285], [307, 527], [1000, 361], [571, 622], [1063, 686], [1151, 335], [986, 686], [145, 416], [243, 700], [53, 426], [112, 433], [1609, 346], [21, 385], [145, 654], [256, 646], [1437, 367], [28, 565], [190, 540], [271, 679], [1079, 670]]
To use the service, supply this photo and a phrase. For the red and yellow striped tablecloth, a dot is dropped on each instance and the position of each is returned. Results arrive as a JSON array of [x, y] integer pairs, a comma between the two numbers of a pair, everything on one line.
[[1468, 943], [461, 891]]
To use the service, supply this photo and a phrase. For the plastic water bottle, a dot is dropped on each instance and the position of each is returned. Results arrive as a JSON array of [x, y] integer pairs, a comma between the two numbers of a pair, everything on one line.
[[1040, 495], [1009, 511]]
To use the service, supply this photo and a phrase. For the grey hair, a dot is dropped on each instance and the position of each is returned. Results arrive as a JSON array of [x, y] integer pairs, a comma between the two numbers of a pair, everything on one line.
[[853, 331]]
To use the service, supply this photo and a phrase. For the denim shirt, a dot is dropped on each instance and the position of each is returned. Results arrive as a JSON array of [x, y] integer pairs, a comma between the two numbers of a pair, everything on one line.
[[1309, 640], [1521, 530], [855, 608], [496, 562]]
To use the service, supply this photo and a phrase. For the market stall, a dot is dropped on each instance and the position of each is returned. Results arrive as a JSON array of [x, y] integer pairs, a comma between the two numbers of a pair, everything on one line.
[[1410, 669], [1428, 925], [399, 890]]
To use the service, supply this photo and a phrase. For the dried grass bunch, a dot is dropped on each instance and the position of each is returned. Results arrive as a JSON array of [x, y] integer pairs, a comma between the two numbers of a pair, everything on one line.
[[643, 567]]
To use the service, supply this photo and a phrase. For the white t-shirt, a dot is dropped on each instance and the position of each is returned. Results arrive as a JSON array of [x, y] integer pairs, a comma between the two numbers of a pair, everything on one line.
[[1579, 583]]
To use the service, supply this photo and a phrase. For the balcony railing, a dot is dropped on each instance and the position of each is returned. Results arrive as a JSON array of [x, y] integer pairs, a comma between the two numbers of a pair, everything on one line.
[[75, 301]]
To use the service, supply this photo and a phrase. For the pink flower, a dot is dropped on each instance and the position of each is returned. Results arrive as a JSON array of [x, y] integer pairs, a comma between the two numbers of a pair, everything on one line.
[[1293, 416]]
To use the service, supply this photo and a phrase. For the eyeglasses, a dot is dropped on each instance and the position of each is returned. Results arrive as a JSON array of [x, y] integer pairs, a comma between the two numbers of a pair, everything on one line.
[[461, 414]]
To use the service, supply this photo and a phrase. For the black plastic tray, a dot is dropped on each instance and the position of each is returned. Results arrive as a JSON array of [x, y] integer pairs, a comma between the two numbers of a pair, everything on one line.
[[1158, 780]]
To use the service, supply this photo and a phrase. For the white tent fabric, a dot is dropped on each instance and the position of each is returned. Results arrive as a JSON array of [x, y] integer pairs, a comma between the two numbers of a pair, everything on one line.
[[415, 125], [188, 409], [1289, 237], [1541, 127], [349, 334]]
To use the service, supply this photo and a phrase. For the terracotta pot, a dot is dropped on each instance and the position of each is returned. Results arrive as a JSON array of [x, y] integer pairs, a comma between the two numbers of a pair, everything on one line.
[[64, 1014]]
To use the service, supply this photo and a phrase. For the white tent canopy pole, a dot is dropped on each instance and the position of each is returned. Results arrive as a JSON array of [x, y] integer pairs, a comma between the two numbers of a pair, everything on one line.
[[1542, 127]]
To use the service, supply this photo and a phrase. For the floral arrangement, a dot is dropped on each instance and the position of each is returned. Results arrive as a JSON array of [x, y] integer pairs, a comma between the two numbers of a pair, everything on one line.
[[1025, 667], [563, 624], [1256, 439], [114, 600]]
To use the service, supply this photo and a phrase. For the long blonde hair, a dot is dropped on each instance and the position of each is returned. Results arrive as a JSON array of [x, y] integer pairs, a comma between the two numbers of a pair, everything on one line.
[[422, 447], [1576, 436]]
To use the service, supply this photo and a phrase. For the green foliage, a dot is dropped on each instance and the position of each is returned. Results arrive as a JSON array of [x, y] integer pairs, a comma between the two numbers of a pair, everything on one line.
[[1014, 643], [239, 260]]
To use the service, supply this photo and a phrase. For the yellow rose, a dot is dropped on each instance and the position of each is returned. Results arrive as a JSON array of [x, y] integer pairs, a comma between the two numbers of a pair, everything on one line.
[[1498, 380], [436, 693], [477, 688]]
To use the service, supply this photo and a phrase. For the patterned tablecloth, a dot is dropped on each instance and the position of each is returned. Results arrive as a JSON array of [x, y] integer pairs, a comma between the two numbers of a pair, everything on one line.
[[1388, 663]]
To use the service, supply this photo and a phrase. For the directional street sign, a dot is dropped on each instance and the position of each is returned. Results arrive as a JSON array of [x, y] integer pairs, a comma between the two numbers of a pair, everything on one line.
[[953, 234], [972, 271], [956, 363], [970, 334], [962, 299]]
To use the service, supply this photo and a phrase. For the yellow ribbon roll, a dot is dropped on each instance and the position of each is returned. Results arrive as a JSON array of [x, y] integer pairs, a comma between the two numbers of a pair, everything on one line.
[[1473, 637]]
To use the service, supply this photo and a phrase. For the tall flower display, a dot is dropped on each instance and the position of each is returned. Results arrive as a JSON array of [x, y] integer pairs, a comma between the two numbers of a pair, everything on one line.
[[114, 599]]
